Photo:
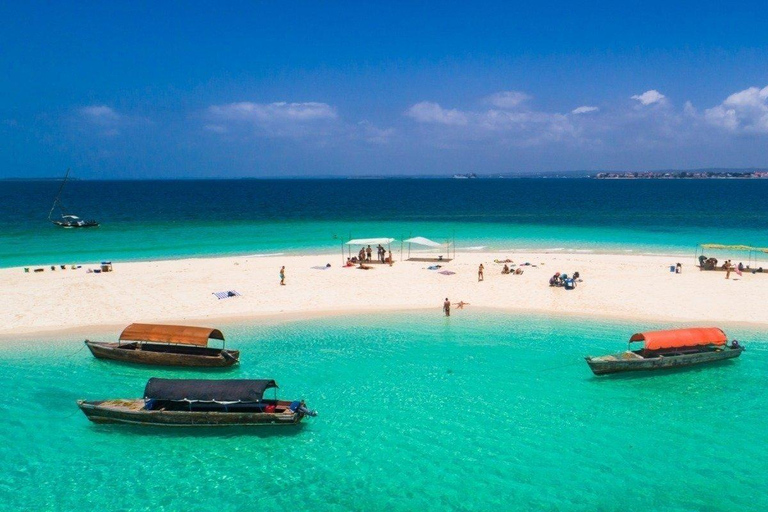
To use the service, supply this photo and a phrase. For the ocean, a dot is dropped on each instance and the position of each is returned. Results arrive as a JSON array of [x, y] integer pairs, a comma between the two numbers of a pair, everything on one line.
[[479, 411], [167, 219]]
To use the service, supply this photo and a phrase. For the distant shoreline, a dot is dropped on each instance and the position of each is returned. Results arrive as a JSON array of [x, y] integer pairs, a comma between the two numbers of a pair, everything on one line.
[[718, 173]]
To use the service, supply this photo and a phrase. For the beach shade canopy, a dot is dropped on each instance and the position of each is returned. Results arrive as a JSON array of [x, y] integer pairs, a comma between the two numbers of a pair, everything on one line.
[[206, 390], [182, 334], [371, 241], [420, 240], [679, 338], [732, 247]]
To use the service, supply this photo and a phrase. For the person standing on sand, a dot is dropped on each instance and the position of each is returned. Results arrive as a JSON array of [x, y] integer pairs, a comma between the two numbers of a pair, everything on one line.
[[447, 307], [480, 273], [368, 253], [728, 269], [282, 275]]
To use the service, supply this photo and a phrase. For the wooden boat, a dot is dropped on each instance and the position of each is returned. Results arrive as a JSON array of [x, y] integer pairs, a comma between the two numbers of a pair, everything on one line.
[[668, 349], [67, 219], [199, 403], [166, 345]]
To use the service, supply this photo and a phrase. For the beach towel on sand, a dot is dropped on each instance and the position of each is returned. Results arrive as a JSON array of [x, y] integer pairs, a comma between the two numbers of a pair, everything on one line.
[[446, 272], [320, 268], [226, 295]]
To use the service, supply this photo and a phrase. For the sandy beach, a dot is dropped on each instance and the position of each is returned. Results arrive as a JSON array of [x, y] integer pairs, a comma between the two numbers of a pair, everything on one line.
[[632, 287]]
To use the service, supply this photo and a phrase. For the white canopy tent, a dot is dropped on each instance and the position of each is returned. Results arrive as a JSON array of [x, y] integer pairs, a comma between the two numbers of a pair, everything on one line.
[[370, 241], [420, 240], [426, 242], [365, 242]]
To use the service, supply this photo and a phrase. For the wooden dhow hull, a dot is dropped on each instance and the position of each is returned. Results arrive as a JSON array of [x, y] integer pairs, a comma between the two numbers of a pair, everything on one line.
[[630, 362], [132, 412], [188, 356]]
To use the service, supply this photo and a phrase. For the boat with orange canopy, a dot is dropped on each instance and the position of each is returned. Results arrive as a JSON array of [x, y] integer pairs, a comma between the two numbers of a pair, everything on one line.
[[668, 349], [166, 345]]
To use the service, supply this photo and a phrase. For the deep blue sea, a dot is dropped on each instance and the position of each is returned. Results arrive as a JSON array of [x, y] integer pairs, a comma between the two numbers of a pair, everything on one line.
[[480, 411], [164, 219]]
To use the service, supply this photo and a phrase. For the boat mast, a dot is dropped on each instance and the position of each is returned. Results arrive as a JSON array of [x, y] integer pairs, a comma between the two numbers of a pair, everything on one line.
[[58, 194]]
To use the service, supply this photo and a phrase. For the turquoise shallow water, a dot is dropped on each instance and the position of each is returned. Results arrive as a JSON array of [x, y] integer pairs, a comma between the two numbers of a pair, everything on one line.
[[481, 411]]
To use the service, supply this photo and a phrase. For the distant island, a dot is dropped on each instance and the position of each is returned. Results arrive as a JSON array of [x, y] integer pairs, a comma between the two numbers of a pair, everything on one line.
[[704, 174]]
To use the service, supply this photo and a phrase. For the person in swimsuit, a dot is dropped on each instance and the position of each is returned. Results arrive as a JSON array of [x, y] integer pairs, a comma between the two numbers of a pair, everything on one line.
[[447, 307], [282, 276]]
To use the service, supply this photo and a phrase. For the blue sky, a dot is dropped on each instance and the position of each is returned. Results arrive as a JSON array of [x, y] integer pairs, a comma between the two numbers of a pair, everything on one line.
[[194, 89]]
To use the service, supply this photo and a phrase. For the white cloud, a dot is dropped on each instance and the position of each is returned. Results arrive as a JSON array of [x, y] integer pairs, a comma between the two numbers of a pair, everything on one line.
[[215, 128], [310, 120], [99, 114], [428, 112], [745, 111], [269, 112], [584, 110], [103, 120], [507, 99], [649, 97], [520, 127], [373, 134]]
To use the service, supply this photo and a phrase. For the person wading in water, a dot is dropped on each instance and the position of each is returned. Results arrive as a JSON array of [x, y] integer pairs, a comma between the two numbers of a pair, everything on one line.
[[447, 307]]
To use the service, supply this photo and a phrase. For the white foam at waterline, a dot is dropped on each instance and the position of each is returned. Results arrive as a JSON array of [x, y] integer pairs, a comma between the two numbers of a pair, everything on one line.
[[264, 255], [475, 248]]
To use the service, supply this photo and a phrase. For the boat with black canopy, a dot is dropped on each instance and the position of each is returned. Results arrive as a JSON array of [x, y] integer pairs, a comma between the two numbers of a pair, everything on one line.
[[200, 403], [166, 345], [68, 220], [668, 349]]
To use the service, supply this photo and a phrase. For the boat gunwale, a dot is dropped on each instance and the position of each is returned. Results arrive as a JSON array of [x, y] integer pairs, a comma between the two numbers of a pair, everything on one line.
[[115, 351], [123, 414]]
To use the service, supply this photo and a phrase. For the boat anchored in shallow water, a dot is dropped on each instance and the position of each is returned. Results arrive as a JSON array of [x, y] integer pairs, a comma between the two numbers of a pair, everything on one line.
[[166, 345], [199, 403], [67, 219], [668, 349]]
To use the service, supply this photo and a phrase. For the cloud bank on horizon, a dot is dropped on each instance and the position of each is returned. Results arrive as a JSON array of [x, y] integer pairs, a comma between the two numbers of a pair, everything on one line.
[[501, 122], [250, 97]]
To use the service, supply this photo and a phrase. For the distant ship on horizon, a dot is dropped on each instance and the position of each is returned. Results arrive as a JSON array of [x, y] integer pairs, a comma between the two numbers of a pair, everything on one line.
[[468, 176]]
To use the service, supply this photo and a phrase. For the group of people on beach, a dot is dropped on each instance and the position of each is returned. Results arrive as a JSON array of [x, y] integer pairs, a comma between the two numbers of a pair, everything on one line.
[[562, 280], [506, 270], [365, 253], [711, 264]]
